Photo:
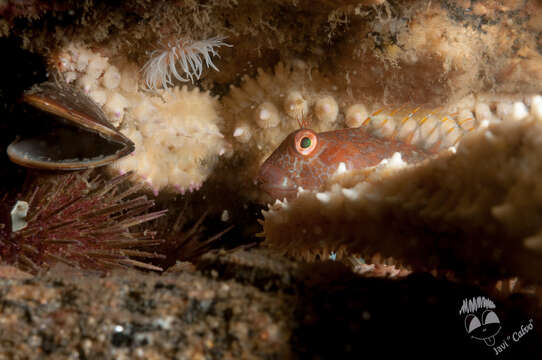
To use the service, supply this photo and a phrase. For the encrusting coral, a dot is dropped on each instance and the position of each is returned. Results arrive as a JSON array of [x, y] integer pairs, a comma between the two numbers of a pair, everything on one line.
[[176, 131], [81, 220], [473, 210], [266, 108], [177, 139]]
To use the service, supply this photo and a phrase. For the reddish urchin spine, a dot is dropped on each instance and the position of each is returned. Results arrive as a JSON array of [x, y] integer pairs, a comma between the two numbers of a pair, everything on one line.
[[81, 220], [183, 242]]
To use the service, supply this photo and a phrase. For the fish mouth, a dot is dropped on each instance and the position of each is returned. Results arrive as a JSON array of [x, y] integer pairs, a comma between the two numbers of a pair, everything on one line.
[[278, 193], [274, 181], [274, 191]]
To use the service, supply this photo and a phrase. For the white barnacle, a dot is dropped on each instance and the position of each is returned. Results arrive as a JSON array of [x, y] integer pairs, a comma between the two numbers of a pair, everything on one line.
[[182, 59]]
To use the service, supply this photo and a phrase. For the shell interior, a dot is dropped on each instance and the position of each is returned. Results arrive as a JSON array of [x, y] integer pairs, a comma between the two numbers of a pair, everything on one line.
[[82, 137]]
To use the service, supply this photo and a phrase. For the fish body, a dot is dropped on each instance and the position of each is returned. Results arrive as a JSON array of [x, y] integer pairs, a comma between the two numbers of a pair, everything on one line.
[[307, 159]]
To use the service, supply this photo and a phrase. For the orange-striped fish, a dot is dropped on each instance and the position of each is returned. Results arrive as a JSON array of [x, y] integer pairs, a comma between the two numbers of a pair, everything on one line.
[[307, 159]]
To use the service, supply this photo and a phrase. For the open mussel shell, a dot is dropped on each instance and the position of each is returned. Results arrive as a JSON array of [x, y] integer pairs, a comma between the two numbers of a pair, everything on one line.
[[81, 138]]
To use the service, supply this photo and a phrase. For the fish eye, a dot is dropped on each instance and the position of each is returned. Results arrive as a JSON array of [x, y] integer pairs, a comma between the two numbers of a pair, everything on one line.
[[305, 141]]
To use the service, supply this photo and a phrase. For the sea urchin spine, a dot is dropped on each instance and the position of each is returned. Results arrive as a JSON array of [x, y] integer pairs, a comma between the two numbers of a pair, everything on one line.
[[81, 220]]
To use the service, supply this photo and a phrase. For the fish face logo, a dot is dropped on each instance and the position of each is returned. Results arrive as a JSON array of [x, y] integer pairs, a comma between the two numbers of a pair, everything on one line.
[[481, 322]]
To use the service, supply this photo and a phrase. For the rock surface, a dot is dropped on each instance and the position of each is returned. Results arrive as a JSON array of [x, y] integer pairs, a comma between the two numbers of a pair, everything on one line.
[[247, 305]]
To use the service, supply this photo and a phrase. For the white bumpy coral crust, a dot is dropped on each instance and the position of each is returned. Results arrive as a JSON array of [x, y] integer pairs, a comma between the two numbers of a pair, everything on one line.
[[177, 139]]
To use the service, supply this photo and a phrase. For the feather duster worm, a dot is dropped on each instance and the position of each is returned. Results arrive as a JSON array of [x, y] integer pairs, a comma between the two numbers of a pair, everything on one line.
[[182, 60], [81, 220]]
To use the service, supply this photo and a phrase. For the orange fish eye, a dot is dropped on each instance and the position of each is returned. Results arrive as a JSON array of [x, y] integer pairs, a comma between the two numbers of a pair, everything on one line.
[[305, 141]]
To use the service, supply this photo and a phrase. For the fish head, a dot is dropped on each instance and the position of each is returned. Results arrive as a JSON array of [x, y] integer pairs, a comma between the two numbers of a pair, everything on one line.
[[289, 166]]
